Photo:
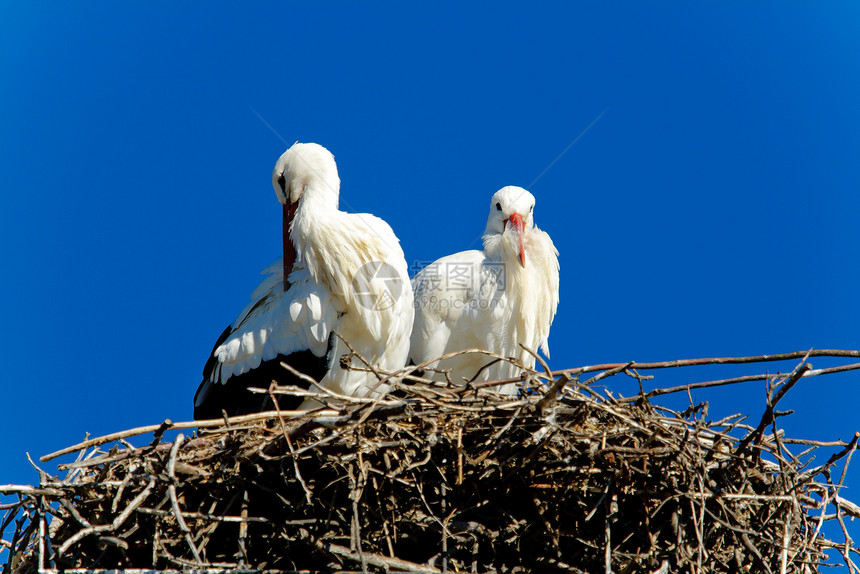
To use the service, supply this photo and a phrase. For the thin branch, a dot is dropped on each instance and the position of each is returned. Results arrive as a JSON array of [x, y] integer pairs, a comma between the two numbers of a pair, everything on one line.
[[292, 450], [174, 502], [768, 416], [212, 423]]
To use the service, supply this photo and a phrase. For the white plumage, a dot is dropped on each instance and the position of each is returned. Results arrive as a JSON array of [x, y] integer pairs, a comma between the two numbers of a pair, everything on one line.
[[493, 299], [272, 324], [349, 277]]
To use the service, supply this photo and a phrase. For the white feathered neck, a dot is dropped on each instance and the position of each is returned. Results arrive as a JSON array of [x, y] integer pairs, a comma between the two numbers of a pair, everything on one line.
[[332, 244]]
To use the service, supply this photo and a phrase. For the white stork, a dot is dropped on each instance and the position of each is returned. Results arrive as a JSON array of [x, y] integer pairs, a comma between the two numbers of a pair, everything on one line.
[[341, 273], [493, 299]]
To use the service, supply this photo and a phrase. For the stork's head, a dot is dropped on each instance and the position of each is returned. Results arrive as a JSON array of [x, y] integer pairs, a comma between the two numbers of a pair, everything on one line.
[[511, 218], [305, 165]]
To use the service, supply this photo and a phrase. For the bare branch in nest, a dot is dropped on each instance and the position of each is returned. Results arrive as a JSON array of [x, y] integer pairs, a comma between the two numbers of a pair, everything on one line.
[[540, 361], [768, 415], [720, 360], [702, 362], [290, 445], [214, 423]]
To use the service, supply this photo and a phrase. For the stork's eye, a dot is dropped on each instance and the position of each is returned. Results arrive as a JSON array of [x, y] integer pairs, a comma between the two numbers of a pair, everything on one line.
[[281, 181], [498, 207]]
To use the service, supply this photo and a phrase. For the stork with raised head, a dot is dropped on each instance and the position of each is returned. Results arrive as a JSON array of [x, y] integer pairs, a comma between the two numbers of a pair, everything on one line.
[[341, 274], [494, 300]]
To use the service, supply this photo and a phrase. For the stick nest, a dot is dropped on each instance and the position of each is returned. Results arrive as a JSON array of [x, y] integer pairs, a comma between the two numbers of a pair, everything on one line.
[[442, 478]]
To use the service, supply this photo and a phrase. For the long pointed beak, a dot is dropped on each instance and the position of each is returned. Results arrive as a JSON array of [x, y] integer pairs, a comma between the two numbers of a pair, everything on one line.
[[519, 227], [289, 249]]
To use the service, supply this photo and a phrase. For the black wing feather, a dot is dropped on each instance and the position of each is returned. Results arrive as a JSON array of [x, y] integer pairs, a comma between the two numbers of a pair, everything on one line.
[[213, 399], [234, 398]]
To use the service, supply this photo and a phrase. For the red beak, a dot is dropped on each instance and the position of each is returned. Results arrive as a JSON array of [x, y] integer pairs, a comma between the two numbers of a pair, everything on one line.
[[289, 249], [519, 227]]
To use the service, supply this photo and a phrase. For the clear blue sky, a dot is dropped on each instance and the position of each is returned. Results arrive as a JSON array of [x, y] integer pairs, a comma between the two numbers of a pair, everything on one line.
[[712, 210]]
